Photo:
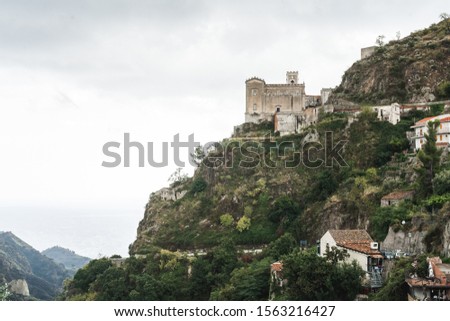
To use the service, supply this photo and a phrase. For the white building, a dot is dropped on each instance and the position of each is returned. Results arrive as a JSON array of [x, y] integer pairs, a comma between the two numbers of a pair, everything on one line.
[[390, 113], [358, 244], [443, 132]]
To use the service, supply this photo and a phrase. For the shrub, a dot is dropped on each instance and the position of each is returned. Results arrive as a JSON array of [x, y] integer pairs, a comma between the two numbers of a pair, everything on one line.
[[198, 185], [443, 90], [442, 182], [243, 224], [248, 211], [226, 220]]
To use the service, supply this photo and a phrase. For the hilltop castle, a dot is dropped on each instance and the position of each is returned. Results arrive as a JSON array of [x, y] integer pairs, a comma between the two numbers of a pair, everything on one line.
[[286, 105]]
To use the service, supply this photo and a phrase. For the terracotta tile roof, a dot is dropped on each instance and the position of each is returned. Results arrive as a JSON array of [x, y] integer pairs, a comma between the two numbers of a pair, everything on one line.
[[362, 248], [421, 282], [443, 119], [343, 236], [356, 240], [425, 120], [399, 195], [277, 266]]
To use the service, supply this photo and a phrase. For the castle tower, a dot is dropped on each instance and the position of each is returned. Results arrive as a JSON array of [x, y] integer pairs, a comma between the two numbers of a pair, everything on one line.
[[291, 77]]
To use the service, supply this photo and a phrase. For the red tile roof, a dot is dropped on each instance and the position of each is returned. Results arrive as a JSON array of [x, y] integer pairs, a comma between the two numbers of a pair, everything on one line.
[[399, 195], [350, 235], [356, 240], [277, 266], [425, 120]]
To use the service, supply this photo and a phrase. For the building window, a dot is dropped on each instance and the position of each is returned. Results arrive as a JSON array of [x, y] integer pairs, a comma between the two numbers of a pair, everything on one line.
[[254, 107], [421, 132], [440, 137], [254, 92], [421, 142], [440, 126]]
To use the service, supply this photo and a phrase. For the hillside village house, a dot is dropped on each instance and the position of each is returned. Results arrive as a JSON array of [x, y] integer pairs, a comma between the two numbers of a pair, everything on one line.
[[390, 113], [358, 244], [443, 132], [396, 197], [360, 247], [436, 287]]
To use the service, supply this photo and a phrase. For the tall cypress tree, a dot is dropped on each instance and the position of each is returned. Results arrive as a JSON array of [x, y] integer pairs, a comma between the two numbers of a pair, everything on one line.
[[429, 155]]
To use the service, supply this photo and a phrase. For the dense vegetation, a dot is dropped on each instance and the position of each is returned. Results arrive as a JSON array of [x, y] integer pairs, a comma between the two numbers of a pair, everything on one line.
[[277, 209], [222, 274]]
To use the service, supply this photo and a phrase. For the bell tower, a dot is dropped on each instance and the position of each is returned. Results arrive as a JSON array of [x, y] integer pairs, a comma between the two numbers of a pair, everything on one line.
[[292, 77]]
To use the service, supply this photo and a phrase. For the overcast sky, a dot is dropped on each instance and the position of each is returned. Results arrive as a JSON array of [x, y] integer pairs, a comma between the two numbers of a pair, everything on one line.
[[77, 74]]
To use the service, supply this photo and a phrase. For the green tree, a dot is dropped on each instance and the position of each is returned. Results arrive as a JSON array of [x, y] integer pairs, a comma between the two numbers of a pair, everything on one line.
[[429, 155], [445, 17], [395, 288], [384, 217], [443, 90], [226, 220], [346, 280], [312, 278], [284, 245], [380, 40], [178, 177], [198, 185], [335, 255], [200, 284], [223, 260], [88, 274], [4, 292], [247, 283], [283, 210], [111, 285], [308, 276], [243, 224]]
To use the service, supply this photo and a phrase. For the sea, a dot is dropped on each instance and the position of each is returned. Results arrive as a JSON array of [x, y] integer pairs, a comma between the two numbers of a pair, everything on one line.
[[93, 233]]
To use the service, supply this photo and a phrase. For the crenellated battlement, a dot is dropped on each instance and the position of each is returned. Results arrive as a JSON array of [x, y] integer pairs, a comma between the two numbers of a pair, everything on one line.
[[255, 78]]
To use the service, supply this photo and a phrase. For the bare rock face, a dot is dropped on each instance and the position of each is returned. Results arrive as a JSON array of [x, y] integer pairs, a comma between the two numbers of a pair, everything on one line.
[[446, 240], [409, 242], [19, 287], [405, 70]]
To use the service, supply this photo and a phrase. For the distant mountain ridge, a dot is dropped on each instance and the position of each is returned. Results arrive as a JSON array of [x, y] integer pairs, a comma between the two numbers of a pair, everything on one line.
[[19, 260], [66, 257]]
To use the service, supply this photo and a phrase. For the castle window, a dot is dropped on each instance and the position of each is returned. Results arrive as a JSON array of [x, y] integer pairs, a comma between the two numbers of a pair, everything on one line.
[[278, 109], [292, 81], [254, 92], [254, 107]]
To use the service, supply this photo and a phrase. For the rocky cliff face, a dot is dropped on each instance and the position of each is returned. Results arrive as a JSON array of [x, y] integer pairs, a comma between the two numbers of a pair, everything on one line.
[[19, 287], [413, 69]]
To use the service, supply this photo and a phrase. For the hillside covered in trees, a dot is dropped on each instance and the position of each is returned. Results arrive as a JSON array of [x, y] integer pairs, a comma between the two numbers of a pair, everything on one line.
[[213, 236]]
